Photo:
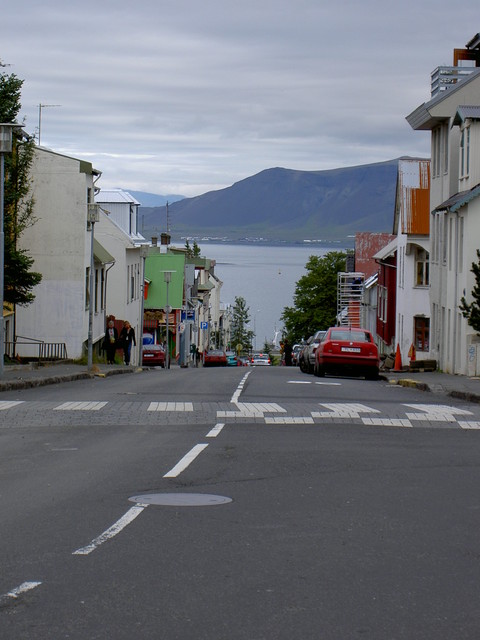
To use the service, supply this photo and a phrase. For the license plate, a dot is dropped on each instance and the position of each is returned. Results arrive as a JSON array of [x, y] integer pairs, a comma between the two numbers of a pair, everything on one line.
[[351, 349]]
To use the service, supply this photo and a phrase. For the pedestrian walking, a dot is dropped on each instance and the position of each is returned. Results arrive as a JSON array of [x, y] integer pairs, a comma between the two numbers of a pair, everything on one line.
[[110, 342], [127, 338]]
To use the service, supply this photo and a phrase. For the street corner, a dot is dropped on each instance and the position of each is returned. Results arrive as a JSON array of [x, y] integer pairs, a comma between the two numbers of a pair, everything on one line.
[[408, 382]]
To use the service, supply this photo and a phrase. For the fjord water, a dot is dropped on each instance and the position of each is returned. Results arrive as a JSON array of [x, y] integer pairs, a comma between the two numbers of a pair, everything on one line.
[[264, 275]]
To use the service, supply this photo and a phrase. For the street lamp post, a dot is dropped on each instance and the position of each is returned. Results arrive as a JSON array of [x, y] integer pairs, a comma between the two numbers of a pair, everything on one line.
[[6, 141], [167, 276], [143, 256], [93, 216]]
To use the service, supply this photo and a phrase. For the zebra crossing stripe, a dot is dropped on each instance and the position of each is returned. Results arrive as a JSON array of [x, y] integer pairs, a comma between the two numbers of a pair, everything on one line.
[[80, 406], [387, 422], [469, 425], [170, 406], [8, 404], [343, 410], [288, 420], [440, 409]]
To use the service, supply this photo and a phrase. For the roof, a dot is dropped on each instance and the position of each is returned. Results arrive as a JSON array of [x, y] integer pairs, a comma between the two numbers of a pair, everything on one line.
[[423, 118], [101, 254], [387, 251], [115, 195], [465, 112], [459, 200]]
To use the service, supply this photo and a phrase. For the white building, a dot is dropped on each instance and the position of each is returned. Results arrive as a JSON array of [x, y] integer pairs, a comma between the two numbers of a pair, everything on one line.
[[117, 232], [60, 244], [411, 227], [453, 118]]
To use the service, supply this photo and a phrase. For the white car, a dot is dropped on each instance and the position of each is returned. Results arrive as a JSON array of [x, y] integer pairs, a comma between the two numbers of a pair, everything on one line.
[[261, 359]]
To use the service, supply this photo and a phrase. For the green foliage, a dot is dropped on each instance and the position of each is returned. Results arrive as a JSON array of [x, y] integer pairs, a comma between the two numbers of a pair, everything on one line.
[[192, 251], [18, 203], [471, 311], [240, 335], [315, 297]]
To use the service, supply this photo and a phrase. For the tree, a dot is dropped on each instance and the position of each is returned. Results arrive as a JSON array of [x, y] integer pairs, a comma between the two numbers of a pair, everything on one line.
[[194, 251], [472, 311], [19, 279], [315, 297], [240, 335]]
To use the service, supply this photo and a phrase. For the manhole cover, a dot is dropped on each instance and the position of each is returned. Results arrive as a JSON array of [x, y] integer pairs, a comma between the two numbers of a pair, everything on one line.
[[181, 499]]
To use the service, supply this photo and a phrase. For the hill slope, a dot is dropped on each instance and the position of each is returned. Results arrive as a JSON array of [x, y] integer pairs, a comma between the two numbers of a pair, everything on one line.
[[287, 205]]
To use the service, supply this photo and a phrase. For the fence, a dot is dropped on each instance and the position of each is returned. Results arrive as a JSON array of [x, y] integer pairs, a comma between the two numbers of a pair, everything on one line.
[[29, 349]]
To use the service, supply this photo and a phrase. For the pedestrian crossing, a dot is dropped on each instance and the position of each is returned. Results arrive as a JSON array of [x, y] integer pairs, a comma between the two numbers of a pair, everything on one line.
[[269, 413]]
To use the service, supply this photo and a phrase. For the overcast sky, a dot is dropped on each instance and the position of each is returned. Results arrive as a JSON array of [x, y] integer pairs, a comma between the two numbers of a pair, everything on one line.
[[187, 96]]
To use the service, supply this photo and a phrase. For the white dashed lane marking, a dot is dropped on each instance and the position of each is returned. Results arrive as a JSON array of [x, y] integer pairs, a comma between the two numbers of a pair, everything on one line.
[[8, 404]]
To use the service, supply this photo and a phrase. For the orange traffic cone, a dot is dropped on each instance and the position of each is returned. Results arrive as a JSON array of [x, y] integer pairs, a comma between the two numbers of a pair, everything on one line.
[[412, 353], [398, 360]]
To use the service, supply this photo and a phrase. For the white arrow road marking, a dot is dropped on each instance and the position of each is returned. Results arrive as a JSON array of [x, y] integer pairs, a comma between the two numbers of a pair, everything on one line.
[[23, 588], [112, 531], [440, 409], [343, 410], [185, 461]]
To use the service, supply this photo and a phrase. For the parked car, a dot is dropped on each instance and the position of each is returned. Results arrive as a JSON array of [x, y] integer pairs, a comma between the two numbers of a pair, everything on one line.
[[243, 362], [152, 354], [261, 359], [231, 359], [347, 350], [215, 358], [295, 353], [307, 355]]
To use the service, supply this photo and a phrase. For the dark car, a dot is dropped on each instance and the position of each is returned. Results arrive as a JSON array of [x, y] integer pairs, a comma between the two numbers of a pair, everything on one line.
[[152, 354], [347, 351], [215, 358], [306, 359]]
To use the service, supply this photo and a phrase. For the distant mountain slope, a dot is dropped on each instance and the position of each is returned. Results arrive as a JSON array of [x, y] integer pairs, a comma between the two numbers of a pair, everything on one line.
[[288, 205], [152, 199]]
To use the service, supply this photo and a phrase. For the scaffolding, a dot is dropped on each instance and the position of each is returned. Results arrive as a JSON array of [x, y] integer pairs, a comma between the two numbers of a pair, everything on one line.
[[350, 287]]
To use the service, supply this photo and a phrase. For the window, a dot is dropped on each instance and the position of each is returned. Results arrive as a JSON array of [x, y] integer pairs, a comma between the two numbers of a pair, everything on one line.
[[96, 291], [382, 303], [422, 268], [102, 289], [422, 333], [465, 152]]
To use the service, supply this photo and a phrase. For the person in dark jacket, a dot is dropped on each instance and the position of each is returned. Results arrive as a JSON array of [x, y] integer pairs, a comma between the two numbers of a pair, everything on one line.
[[127, 338], [110, 342]]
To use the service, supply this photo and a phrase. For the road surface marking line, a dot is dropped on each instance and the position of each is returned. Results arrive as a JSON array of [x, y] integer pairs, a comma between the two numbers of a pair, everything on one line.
[[469, 425], [335, 414], [330, 384], [213, 433], [239, 389], [432, 417], [287, 420], [350, 407], [187, 459], [8, 404], [439, 408], [387, 422], [23, 588], [112, 531], [299, 382], [80, 406]]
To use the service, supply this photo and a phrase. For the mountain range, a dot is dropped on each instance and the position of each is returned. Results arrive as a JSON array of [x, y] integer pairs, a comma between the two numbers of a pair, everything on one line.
[[284, 205]]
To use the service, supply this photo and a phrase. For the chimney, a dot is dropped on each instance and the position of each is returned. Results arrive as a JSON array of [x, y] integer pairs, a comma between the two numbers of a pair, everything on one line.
[[154, 241]]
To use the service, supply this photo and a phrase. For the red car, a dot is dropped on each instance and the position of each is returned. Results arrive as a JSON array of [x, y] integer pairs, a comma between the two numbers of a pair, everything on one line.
[[347, 351], [152, 354], [215, 358]]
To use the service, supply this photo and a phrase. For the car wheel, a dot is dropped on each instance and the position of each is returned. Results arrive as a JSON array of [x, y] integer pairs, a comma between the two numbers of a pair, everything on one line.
[[302, 366]]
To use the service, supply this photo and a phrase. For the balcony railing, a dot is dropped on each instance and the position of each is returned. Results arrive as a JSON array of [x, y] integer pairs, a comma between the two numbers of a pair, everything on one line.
[[28, 349], [443, 78]]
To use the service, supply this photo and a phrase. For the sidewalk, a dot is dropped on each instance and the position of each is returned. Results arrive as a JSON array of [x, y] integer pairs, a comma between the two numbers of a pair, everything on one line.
[[461, 387], [32, 375]]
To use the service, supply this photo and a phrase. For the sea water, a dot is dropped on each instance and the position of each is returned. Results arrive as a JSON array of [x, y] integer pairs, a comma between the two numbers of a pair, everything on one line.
[[265, 276]]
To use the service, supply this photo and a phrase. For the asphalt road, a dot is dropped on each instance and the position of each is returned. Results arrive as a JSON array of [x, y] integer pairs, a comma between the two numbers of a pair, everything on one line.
[[296, 508]]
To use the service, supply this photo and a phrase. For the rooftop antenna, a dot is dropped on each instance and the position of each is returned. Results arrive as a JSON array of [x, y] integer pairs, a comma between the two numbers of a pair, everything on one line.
[[40, 107]]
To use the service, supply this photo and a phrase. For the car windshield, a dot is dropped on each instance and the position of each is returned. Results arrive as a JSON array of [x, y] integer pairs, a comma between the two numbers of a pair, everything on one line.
[[349, 336]]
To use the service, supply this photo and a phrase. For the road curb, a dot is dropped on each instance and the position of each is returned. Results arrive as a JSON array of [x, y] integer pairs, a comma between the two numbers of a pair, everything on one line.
[[28, 383], [414, 384]]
